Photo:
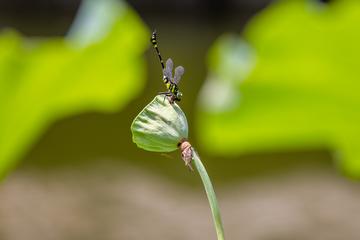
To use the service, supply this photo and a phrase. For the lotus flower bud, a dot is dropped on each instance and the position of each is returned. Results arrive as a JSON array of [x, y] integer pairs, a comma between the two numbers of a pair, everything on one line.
[[160, 126]]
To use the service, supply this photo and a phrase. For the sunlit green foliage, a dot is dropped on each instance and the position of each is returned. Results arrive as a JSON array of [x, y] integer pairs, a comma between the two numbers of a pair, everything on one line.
[[297, 87], [98, 67]]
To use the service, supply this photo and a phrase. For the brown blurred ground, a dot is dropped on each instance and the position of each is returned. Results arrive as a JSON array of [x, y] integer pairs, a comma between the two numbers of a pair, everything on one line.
[[106, 202]]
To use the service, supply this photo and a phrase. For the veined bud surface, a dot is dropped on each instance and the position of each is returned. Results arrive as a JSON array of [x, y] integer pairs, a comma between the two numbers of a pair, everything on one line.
[[160, 126]]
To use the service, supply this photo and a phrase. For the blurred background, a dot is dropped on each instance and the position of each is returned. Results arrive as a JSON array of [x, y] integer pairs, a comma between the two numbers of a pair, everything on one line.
[[272, 109]]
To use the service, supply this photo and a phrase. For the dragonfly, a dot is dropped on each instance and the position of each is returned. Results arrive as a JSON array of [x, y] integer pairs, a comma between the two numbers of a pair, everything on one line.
[[171, 82]]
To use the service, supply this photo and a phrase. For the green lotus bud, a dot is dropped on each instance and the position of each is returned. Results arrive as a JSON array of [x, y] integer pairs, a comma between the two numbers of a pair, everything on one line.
[[160, 126]]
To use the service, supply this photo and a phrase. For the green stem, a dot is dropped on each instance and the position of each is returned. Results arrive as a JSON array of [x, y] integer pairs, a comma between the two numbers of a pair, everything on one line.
[[210, 195]]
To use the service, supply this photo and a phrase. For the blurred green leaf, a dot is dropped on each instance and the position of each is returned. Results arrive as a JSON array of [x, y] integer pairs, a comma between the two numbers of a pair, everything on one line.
[[42, 80], [296, 87]]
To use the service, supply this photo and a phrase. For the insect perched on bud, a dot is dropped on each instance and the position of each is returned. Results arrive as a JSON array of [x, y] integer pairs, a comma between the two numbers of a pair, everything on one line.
[[171, 83]]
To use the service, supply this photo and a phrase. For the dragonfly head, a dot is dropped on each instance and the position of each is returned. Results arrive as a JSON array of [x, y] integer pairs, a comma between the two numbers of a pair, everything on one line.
[[178, 96]]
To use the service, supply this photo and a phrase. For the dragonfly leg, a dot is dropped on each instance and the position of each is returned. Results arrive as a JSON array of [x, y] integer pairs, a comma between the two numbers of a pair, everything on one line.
[[165, 93], [168, 94]]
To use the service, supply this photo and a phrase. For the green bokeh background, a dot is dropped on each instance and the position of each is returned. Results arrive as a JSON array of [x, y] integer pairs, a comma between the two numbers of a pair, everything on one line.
[[272, 105]]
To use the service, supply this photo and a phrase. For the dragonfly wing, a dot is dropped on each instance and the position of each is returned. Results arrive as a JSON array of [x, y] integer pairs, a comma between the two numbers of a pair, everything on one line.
[[168, 68], [179, 71]]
